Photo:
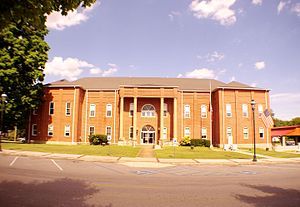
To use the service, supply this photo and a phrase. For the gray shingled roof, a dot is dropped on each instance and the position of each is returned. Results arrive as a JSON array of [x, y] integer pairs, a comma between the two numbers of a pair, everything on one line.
[[117, 82]]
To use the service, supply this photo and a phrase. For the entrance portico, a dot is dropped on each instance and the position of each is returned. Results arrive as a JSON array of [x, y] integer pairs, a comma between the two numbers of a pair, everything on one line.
[[153, 108]]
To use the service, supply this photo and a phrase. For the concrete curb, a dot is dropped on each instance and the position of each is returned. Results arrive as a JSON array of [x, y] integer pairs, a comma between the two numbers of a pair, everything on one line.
[[149, 162]]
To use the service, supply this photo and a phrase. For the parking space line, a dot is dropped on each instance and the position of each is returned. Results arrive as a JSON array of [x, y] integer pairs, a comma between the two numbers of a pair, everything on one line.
[[57, 165], [13, 161]]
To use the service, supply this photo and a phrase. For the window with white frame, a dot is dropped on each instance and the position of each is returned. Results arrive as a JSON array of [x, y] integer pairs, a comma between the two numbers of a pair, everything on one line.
[[165, 133], [204, 133], [261, 132], [187, 111], [229, 132], [92, 110], [246, 132], [91, 130], [245, 110], [203, 111], [228, 110], [108, 132], [108, 110], [68, 109], [187, 132], [34, 130], [131, 132], [165, 109], [50, 130], [67, 130], [148, 110], [131, 109], [260, 109], [34, 112], [51, 108]]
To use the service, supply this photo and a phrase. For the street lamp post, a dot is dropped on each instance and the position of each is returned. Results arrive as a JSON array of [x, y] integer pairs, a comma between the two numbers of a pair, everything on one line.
[[254, 143], [3, 99]]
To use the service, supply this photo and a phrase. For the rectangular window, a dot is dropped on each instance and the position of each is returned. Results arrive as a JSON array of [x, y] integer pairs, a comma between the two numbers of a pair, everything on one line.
[[51, 108], [34, 130], [67, 130], [204, 133], [108, 110], [203, 111], [165, 133], [68, 109], [165, 109], [246, 133], [131, 132], [34, 111], [92, 110], [92, 130], [260, 109], [108, 133], [187, 132], [245, 110], [187, 111], [131, 109], [228, 110], [261, 132], [229, 132], [50, 130]]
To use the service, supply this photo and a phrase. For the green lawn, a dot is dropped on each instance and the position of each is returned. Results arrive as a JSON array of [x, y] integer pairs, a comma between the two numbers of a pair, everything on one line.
[[117, 151], [274, 154], [198, 153]]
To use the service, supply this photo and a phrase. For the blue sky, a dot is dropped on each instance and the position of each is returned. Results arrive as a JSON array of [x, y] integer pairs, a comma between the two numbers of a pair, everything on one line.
[[251, 41]]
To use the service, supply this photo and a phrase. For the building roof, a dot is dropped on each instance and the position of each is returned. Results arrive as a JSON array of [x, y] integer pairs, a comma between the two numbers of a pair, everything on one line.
[[285, 131], [117, 82]]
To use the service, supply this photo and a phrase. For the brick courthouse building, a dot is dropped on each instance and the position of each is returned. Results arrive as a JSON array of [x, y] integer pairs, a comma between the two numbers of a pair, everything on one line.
[[149, 111]]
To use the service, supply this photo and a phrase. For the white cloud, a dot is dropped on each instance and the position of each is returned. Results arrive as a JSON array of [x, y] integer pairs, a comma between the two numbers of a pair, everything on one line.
[[173, 14], [296, 9], [59, 22], [70, 68], [280, 6], [215, 56], [232, 79], [218, 10], [257, 2], [285, 105], [253, 84], [199, 73], [260, 65], [95, 71], [109, 72]]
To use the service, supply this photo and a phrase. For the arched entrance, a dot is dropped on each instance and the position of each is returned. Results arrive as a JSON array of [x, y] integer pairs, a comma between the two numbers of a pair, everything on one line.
[[148, 135]]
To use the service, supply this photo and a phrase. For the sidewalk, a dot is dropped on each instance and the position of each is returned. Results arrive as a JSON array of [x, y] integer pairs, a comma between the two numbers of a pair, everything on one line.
[[150, 162]]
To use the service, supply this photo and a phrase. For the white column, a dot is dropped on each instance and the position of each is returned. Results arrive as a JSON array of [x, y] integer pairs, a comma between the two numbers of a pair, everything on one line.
[[134, 118], [175, 118], [161, 118], [121, 118]]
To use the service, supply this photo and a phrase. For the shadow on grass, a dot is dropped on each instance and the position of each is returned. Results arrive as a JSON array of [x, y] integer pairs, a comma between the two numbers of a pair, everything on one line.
[[60, 192], [271, 196]]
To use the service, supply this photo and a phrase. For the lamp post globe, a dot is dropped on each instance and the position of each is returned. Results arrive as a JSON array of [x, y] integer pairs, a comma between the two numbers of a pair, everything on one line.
[[254, 141]]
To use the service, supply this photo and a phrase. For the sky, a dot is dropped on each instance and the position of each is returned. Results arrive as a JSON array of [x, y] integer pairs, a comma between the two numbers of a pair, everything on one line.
[[256, 42]]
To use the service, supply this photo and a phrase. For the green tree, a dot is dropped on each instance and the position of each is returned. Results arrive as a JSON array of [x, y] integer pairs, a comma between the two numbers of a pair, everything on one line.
[[34, 12], [23, 54]]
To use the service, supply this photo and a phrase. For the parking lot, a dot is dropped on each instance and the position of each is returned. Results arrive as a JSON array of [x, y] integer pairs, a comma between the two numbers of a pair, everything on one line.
[[62, 182]]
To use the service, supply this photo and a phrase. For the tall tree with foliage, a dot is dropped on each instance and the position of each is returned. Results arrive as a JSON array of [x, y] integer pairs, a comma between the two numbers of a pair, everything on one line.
[[24, 52]]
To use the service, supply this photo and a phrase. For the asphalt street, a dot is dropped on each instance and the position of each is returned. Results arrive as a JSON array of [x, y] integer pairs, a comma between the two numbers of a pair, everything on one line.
[[33, 181]]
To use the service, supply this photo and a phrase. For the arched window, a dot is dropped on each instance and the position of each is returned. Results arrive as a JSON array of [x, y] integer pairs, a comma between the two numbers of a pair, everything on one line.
[[148, 128], [148, 110]]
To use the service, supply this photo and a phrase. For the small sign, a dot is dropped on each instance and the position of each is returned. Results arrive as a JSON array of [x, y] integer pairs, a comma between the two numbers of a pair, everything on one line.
[[174, 140], [108, 138]]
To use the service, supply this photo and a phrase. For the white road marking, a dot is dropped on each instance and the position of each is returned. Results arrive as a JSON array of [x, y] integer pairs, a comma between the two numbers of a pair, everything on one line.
[[14, 161], [57, 165]]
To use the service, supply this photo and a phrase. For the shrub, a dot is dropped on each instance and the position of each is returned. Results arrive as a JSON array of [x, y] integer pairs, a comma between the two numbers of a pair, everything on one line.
[[98, 139], [200, 142], [186, 141]]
